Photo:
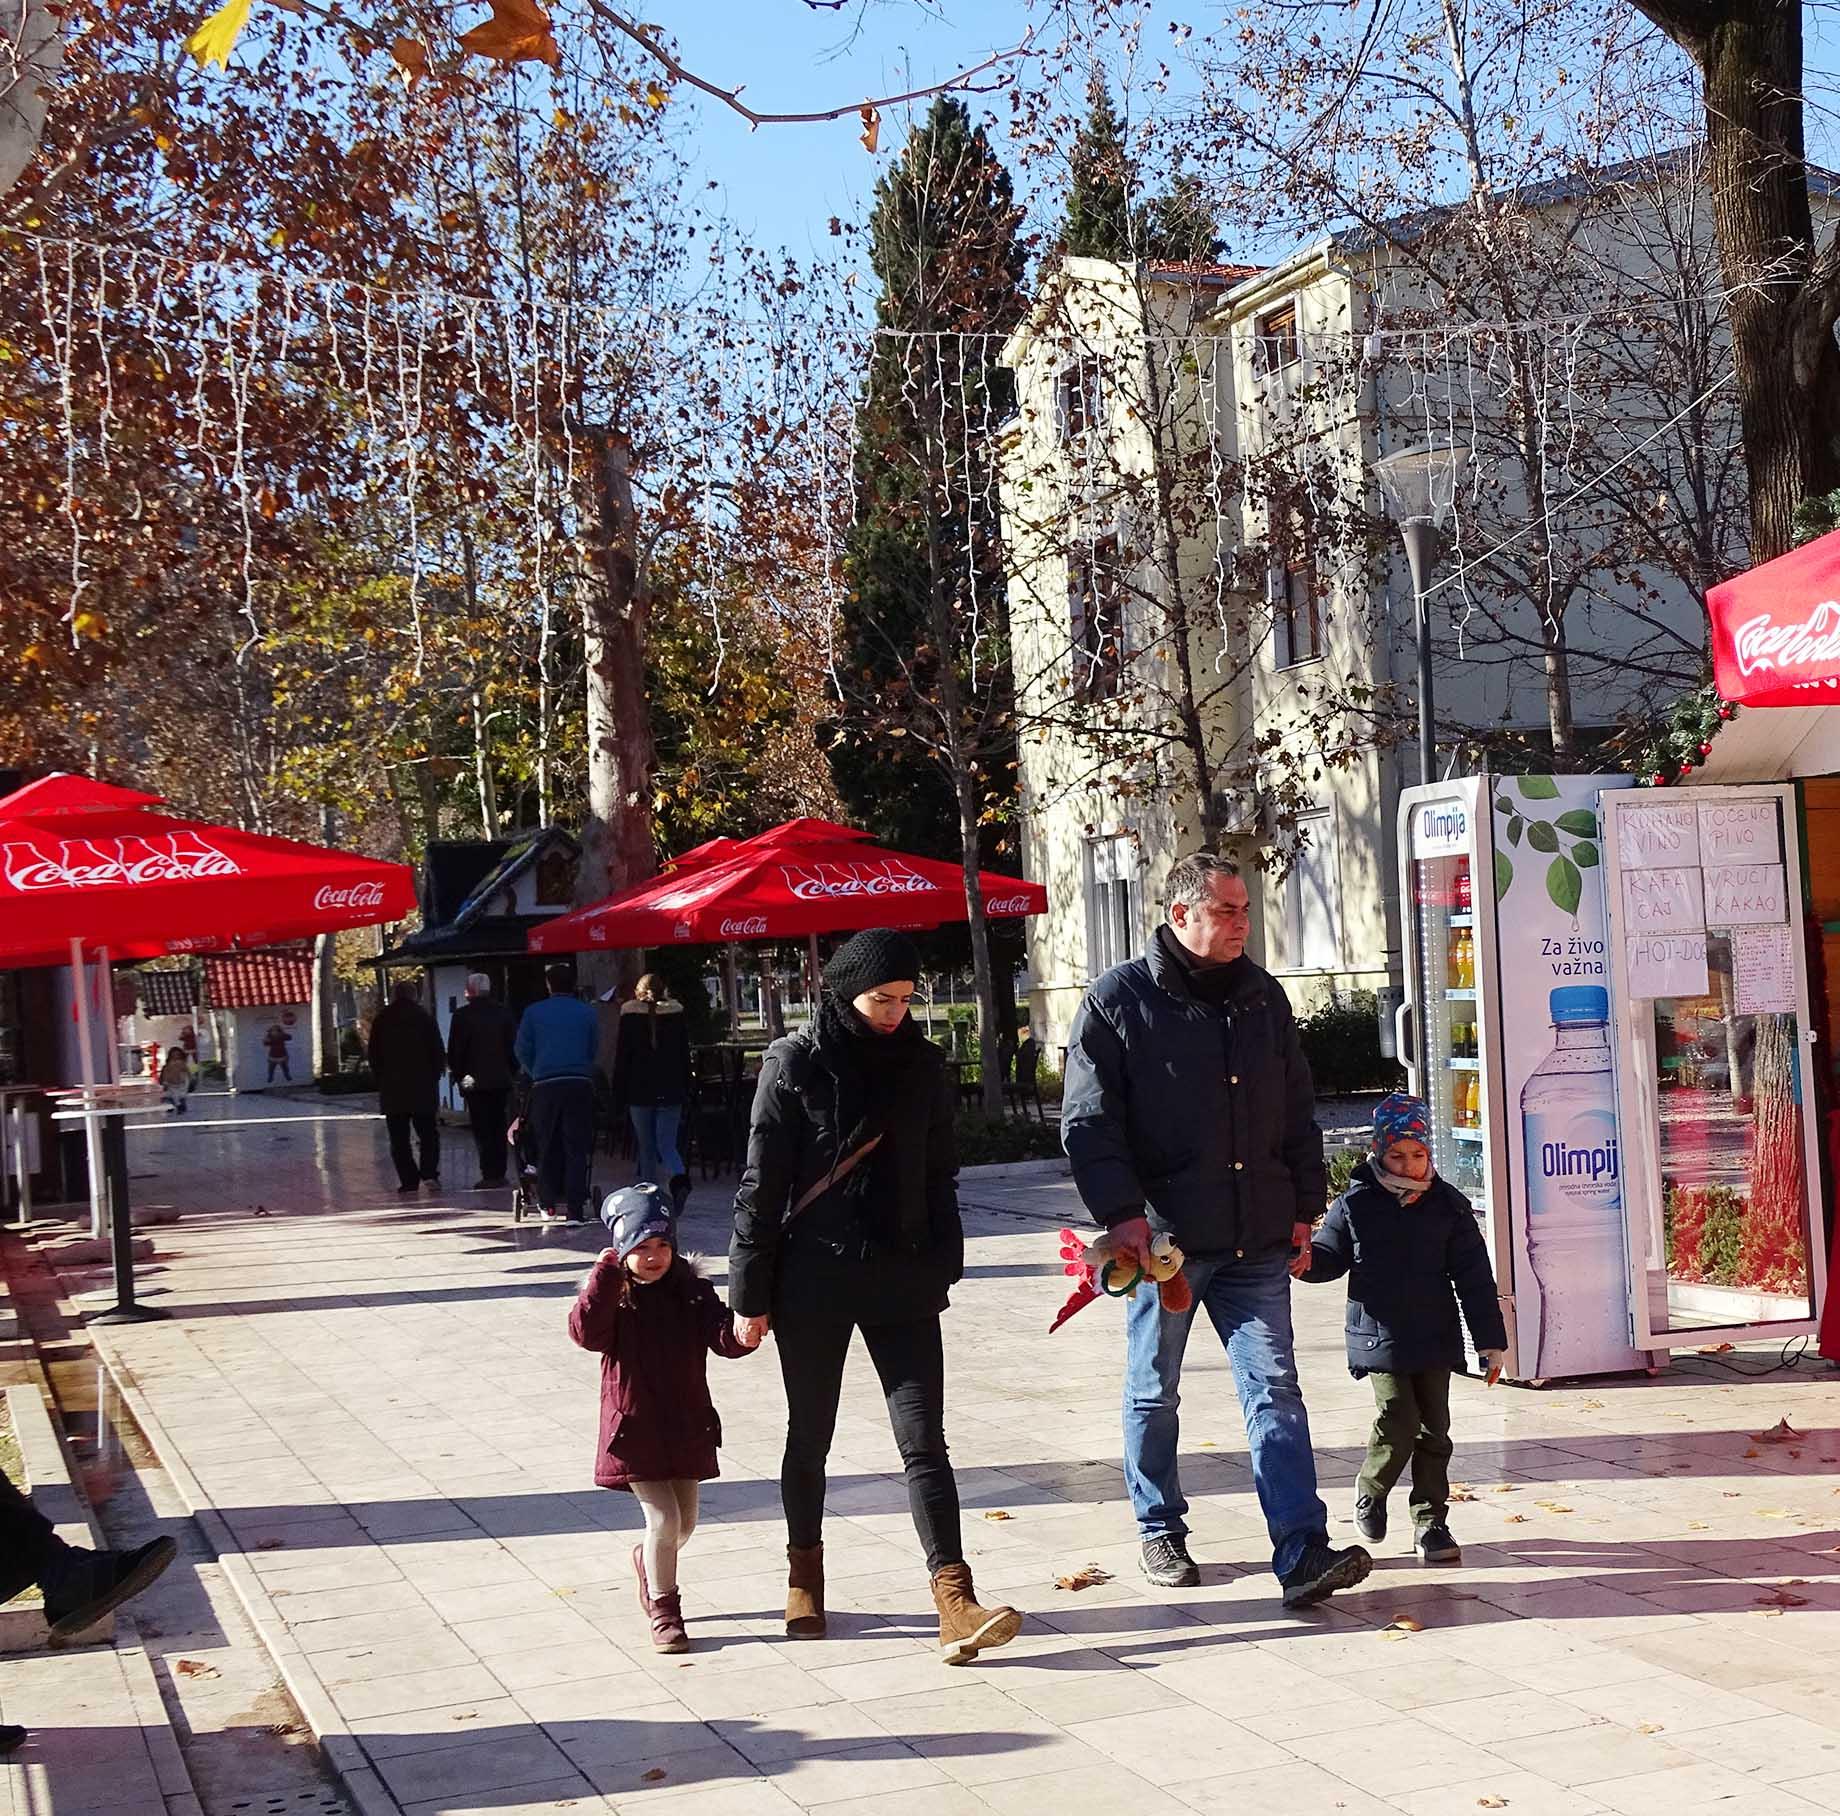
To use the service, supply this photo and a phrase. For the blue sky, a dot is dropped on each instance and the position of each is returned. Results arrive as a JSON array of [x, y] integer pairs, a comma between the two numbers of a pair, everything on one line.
[[782, 184]]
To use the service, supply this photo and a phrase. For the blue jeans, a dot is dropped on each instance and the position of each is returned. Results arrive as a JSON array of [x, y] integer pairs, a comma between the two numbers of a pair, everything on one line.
[[1250, 1304], [655, 1124]]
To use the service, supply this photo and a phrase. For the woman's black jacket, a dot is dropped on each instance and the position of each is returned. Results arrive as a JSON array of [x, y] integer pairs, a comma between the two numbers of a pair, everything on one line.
[[881, 1245]]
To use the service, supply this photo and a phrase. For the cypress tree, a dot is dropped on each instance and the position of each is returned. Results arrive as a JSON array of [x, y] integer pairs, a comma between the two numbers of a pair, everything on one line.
[[1100, 222]]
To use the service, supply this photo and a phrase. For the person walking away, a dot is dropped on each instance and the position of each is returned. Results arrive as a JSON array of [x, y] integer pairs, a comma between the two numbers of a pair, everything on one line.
[[846, 1219], [651, 1077], [176, 1078], [482, 1061], [556, 1044], [1189, 1110], [1411, 1247], [276, 1043], [407, 1060], [79, 1586], [655, 1322]]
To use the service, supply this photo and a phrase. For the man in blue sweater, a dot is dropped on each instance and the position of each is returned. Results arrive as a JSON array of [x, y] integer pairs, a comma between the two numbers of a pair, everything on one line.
[[556, 1044]]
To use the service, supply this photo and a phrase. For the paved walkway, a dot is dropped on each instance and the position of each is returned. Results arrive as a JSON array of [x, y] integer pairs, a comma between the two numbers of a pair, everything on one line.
[[379, 1409]]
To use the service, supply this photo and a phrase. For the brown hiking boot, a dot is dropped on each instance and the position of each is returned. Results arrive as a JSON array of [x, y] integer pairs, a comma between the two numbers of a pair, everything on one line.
[[804, 1591], [965, 1629], [668, 1633]]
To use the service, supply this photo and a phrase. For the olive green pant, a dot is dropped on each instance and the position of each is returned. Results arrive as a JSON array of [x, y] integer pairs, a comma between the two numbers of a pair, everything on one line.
[[1411, 1427]]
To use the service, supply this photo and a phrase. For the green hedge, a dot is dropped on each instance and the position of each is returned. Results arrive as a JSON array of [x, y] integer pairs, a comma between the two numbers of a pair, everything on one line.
[[984, 1141], [1342, 1043]]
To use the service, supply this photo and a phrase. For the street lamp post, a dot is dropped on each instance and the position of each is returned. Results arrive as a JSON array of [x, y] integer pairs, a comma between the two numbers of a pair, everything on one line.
[[1419, 485]]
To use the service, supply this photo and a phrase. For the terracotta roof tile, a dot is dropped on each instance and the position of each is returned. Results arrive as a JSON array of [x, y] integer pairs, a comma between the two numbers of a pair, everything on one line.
[[255, 980]]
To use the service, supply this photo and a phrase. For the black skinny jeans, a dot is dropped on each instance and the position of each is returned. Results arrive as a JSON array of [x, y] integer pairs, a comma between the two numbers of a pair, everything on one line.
[[910, 1360]]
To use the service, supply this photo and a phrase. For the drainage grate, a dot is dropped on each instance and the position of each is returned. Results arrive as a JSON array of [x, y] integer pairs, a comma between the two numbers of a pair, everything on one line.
[[301, 1803]]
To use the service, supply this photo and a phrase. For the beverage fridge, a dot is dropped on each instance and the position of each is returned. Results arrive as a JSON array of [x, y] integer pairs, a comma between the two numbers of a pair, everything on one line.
[[1505, 1031]]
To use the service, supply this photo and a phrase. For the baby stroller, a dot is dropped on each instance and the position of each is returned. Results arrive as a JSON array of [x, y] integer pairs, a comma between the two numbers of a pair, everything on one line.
[[523, 1139]]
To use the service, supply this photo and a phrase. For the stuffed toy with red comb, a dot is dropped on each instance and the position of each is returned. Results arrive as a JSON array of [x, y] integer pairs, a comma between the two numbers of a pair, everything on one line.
[[1103, 1273]]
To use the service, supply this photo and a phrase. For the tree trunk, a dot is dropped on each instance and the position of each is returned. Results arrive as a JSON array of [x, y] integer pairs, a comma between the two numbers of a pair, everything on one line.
[[616, 837], [1783, 297], [31, 60], [325, 983], [1771, 1257]]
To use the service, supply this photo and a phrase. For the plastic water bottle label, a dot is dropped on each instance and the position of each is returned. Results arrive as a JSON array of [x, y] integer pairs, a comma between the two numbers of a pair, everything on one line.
[[1573, 1163]]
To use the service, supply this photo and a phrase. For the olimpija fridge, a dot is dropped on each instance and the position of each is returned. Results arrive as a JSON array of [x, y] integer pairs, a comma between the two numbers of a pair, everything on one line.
[[1507, 1032]]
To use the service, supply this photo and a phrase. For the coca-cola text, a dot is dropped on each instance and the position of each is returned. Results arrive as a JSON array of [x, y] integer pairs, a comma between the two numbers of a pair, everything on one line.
[[352, 895], [170, 857]]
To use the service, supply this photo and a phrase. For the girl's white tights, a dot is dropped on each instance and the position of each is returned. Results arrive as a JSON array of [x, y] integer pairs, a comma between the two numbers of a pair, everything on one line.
[[670, 1518]]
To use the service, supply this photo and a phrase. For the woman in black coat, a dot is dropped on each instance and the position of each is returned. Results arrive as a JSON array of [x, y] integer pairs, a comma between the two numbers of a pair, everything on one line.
[[846, 1220]]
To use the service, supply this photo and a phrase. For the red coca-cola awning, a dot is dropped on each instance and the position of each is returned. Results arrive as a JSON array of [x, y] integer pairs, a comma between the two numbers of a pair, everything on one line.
[[807, 876], [86, 860], [1776, 629]]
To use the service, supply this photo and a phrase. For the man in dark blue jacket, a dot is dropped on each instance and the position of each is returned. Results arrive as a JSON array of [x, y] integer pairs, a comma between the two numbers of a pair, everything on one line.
[[1189, 1111], [556, 1045]]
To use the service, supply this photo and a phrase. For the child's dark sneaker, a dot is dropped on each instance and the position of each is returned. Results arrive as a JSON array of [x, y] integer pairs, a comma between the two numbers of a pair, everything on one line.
[[1320, 1572], [1370, 1518], [1166, 1563], [668, 1633], [1436, 1546]]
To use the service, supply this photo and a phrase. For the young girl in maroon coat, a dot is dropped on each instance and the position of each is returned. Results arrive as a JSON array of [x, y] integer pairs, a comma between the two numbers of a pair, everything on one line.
[[654, 1320]]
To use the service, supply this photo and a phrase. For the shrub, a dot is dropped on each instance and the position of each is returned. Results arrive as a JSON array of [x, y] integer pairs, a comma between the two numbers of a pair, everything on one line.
[[1704, 1229], [1001, 1141], [1342, 1163], [1342, 1043], [346, 1084]]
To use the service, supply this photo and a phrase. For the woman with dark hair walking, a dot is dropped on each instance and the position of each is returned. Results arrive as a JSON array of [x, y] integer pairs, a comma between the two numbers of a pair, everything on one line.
[[846, 1220], [651, 1078]]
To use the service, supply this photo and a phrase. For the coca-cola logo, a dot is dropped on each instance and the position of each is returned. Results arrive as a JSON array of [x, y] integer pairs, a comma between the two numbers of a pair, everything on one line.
[[754, 927], [1761, 643], [829, 882], [1008, 904], [170, 857], [353, 895]]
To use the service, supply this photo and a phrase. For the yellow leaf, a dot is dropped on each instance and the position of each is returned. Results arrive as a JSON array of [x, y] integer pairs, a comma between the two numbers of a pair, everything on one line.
[[996, 1515], [655, 97], [214, 40]]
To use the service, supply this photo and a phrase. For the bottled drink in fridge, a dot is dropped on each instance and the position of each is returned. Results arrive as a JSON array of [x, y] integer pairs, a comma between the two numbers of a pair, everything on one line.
[[1574, 1185]]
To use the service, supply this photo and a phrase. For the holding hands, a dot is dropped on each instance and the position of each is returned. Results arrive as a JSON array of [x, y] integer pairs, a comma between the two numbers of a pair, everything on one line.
[[749, 1331]]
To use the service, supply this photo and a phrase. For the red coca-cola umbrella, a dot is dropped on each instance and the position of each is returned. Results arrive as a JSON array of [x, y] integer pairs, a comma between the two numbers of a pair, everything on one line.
[[805, 877], [1776, 629], [88, 862]]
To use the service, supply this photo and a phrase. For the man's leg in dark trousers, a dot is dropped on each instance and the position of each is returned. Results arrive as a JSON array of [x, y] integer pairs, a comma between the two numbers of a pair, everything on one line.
[[407, 1173], [1395, 1435], [428, 1143], [1431, 1449], [577, 1141], [546, 1124], [487, 1110], [30, 1549]]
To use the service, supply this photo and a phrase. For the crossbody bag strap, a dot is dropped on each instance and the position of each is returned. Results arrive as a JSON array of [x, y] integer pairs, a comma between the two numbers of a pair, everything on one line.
[[841, 1170]]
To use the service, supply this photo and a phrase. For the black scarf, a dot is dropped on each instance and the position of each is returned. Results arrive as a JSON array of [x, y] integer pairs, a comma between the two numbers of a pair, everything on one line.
[[872, 1072]]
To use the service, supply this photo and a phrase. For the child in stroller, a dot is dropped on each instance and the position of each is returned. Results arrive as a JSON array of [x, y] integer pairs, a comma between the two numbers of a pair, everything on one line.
[[523, 1139]]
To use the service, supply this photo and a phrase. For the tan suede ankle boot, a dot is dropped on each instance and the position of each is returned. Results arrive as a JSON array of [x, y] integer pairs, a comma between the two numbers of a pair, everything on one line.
[[805, 1591], [965, 1629]]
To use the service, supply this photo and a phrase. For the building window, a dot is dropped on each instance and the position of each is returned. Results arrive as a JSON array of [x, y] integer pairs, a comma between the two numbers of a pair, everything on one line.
[[1096, 618], [1079, 399], [1277, 345], [1313, 897], [1114, 902], [1296, 611]]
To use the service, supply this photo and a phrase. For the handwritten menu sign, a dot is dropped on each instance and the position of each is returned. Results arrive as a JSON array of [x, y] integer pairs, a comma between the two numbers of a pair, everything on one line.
[[1763, 971], [1663, 901], [1746, 895], [1739, 832], [1668, 964], [1648, 837]]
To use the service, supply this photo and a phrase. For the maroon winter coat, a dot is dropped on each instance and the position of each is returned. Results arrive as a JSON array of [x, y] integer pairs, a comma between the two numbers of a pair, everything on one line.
[[658, 1422]]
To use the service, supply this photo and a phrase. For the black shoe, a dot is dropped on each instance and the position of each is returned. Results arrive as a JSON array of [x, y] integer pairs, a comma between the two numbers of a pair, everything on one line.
[[408, 1191], [1321, 1572], [1166, 1563], [1436, 1546], [490, 1185], [680, 1194], [92, 1582], [1370, 1517], [11, 1738]]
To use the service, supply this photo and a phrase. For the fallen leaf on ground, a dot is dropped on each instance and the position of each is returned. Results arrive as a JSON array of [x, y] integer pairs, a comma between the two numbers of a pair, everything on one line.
[[1517, 1519], [1555, 1506], [195, 1667], [1491, 1803], [1649, 1727], [1698, 1526], [653, 1776], [1083, 1579], [1460, 1491], [1731, 1494], [1781, 1598], [1782, 1432], [1773, 1513], [1714, 1349], [1771, 1613], [270, 1544], [997, 1514], [1753, 1452], [1207, 1444], [1503, 1488], [1404, 1623]]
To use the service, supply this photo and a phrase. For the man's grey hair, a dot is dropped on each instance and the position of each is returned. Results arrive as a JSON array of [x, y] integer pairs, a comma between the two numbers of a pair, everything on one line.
[[478, 984], [1191, 878]]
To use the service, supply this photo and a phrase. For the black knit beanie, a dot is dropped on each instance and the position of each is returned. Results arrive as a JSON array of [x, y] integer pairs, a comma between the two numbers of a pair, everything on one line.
[[877, 955]]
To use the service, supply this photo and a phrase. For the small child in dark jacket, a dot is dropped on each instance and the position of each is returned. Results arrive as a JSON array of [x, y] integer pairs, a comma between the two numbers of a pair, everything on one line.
[[1408, 1240], [655, 1321]]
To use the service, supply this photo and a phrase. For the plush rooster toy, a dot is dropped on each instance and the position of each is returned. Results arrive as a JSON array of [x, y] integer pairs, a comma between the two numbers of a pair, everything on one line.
[[1101, 1272]]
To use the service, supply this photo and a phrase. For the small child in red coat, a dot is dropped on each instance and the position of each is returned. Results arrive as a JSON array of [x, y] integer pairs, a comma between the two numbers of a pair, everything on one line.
[[655, 1320]]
